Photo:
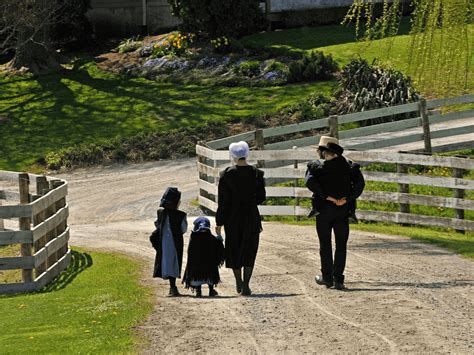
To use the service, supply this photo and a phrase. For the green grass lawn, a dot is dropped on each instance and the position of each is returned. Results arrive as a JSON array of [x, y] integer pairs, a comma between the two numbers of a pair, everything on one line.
[[339, 41], [88, 105], [91, 309]]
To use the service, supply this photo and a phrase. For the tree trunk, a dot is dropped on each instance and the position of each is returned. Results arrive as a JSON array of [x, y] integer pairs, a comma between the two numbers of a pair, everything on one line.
[[33, 49], [35, 57]]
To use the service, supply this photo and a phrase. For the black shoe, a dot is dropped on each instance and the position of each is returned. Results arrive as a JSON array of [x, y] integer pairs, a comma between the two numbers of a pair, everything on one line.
[[246, 291], [198, 293], [238, 287], [320, 281], [173, 292], [339, 286], [212, 292]]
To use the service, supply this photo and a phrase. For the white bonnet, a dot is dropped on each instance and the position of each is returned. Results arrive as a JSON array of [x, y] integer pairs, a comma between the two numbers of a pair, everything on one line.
[[239, 150]]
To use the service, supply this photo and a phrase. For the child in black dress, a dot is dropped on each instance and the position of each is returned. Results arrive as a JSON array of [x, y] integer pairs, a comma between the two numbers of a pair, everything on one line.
[[167, 239], [205, 255]]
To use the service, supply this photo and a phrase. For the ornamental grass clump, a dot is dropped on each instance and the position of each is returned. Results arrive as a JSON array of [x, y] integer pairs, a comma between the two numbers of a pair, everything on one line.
[[366, 87], [129, 45]]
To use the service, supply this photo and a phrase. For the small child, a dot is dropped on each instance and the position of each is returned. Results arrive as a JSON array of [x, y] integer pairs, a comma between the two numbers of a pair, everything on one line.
[[205, 255], [167, 239]]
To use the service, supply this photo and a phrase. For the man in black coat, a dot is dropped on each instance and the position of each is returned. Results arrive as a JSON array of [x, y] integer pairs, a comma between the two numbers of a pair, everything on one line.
[[336, 184]]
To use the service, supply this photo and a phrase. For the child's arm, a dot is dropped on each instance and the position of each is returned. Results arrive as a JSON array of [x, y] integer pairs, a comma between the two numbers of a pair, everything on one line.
[[358, 182], [261, 193], [311, 179], [184, 225]]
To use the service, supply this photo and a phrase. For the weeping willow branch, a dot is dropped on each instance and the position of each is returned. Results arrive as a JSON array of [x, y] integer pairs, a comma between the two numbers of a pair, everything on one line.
[[439, 52]]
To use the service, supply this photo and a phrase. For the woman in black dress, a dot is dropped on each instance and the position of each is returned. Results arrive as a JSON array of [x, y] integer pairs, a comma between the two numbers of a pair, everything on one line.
[[241, 189]]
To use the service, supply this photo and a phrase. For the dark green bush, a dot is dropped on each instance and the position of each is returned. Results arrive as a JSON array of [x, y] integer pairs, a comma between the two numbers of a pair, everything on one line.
[[233, 18], [365, 87], [313, 66], [249, 68], [314, 107]]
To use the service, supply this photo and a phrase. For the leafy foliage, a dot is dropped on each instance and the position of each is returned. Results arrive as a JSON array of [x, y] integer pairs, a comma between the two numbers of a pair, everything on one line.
[[249, 68], [439, 49], [313, 66], [71, 25], [366, 87], [129, 45], [232, 18]]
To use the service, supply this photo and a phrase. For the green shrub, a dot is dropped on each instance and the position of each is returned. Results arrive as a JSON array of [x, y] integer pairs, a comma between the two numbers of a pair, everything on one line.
[[313, 66], [232, 18], [129, 45], [249, 68], [275, 65], [365, 87], [314, 107]]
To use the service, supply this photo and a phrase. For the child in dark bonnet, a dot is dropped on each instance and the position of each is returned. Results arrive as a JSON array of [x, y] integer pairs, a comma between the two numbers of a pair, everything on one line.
[[205, 255], [167, 239]]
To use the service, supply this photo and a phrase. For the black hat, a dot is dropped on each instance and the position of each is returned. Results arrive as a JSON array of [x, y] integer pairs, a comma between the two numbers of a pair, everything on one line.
[[170, 198], [335, 148]]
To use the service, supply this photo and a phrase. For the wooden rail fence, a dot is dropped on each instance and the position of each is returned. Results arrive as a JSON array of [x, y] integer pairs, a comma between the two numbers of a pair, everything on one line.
[[282, 161], [43, 233], [426, 116], [209, 174]]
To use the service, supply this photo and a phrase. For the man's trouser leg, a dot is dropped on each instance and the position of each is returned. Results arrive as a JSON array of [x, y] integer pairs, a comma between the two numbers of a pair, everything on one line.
[[323, 228], [341, 232]]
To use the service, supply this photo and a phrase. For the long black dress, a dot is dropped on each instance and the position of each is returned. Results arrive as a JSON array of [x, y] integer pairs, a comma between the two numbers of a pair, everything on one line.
[[205, 255], [241, 189]]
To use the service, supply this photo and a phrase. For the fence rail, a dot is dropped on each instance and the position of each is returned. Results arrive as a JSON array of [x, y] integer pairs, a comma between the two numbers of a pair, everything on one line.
[[424, 119], [43, 233], [281, 161]]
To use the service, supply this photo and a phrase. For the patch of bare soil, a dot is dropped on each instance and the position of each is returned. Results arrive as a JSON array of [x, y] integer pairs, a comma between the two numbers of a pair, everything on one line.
[[115, 62], [403, 296]]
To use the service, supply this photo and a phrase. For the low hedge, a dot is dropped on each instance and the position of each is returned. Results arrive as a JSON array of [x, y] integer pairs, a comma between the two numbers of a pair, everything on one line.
[[149, 146]]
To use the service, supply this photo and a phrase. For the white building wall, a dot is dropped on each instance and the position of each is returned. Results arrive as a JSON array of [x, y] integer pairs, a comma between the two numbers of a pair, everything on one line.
[[285, 5]]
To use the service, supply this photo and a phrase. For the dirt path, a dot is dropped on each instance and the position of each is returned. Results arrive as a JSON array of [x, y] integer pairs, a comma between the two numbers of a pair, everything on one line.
[[403, 296]]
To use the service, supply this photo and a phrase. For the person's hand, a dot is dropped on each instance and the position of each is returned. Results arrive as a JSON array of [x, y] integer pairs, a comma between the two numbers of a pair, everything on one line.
[[218, 230], [332, 199], [341, 201]]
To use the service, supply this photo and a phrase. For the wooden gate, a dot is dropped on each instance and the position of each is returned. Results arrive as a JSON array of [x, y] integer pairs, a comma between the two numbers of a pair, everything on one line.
[[42, 233]]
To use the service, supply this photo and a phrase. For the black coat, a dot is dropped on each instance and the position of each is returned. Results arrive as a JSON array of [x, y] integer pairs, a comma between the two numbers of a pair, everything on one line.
[[241, 189], [205, 255], [337, 178], [156, 238]]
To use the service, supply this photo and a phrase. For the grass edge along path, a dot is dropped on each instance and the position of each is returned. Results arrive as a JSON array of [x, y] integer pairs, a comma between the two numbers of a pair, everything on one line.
[[461, 244], [92, 307]]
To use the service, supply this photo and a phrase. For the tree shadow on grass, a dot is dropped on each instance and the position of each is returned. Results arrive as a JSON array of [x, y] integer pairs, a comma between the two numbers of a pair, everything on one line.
[[79, 263]]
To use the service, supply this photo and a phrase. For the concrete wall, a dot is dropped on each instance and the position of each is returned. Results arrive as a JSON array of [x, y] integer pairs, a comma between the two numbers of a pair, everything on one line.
[[116, 18], [119, 18], [286, 5]]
